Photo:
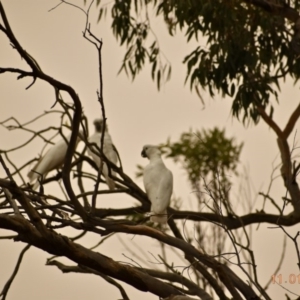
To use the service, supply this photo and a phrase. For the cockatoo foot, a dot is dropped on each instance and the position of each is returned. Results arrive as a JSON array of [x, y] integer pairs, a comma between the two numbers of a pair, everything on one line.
[[64, 215], [148, 214]]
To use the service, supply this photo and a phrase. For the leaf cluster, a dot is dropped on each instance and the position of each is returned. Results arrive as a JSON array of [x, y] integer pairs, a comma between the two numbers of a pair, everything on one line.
[[244, 47], [203, 153], [133, 30]]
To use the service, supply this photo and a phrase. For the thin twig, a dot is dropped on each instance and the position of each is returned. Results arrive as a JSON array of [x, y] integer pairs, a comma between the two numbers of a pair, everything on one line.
[[15, 272]]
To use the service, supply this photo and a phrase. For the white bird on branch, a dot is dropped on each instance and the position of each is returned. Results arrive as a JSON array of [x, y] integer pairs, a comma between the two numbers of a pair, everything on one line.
[[53, 159], [158, 182], [108, 150]]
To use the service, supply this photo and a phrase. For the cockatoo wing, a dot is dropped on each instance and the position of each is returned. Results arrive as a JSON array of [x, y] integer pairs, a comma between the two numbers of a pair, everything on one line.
[[53, 159], [95, 138], [158, 182], [164, 192], [108, 151], [110, 182]]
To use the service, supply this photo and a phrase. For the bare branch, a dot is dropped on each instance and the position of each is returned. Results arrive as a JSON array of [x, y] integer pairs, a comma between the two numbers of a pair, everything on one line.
[[14, 274], [82, 269], [292, 122]]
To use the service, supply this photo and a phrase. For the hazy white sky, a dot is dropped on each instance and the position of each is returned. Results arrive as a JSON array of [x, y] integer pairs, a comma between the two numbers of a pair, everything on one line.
[[137, 115]]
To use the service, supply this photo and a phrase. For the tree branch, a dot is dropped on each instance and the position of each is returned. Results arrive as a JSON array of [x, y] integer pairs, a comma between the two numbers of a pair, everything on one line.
[[37, 73], [82, 269], [276, 8], [62, 246], [188, 250], [15, 272], [292, 122]]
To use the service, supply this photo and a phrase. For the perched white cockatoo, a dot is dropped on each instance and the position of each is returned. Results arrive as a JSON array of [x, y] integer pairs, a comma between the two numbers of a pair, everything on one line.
[[53, 159], [108, 151], [158, 182]]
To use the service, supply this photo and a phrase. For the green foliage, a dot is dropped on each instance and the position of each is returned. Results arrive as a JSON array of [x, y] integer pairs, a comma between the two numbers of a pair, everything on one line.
[[133, 31], [245, 46], [205, 153]]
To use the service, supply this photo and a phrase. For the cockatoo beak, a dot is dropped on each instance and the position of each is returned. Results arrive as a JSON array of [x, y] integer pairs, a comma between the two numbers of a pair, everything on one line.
[[144, 153]]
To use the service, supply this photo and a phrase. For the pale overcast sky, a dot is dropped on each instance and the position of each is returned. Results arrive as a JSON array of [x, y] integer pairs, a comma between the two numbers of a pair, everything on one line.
[[137, 114]]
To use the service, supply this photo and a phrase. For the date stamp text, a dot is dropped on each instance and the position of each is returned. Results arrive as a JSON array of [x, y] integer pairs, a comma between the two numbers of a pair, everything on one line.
[[288, 278]]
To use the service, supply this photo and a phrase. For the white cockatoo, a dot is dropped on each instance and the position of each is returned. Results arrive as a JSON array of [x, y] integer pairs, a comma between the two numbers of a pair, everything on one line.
[[53, 159], [108, 151], [158, 182]]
